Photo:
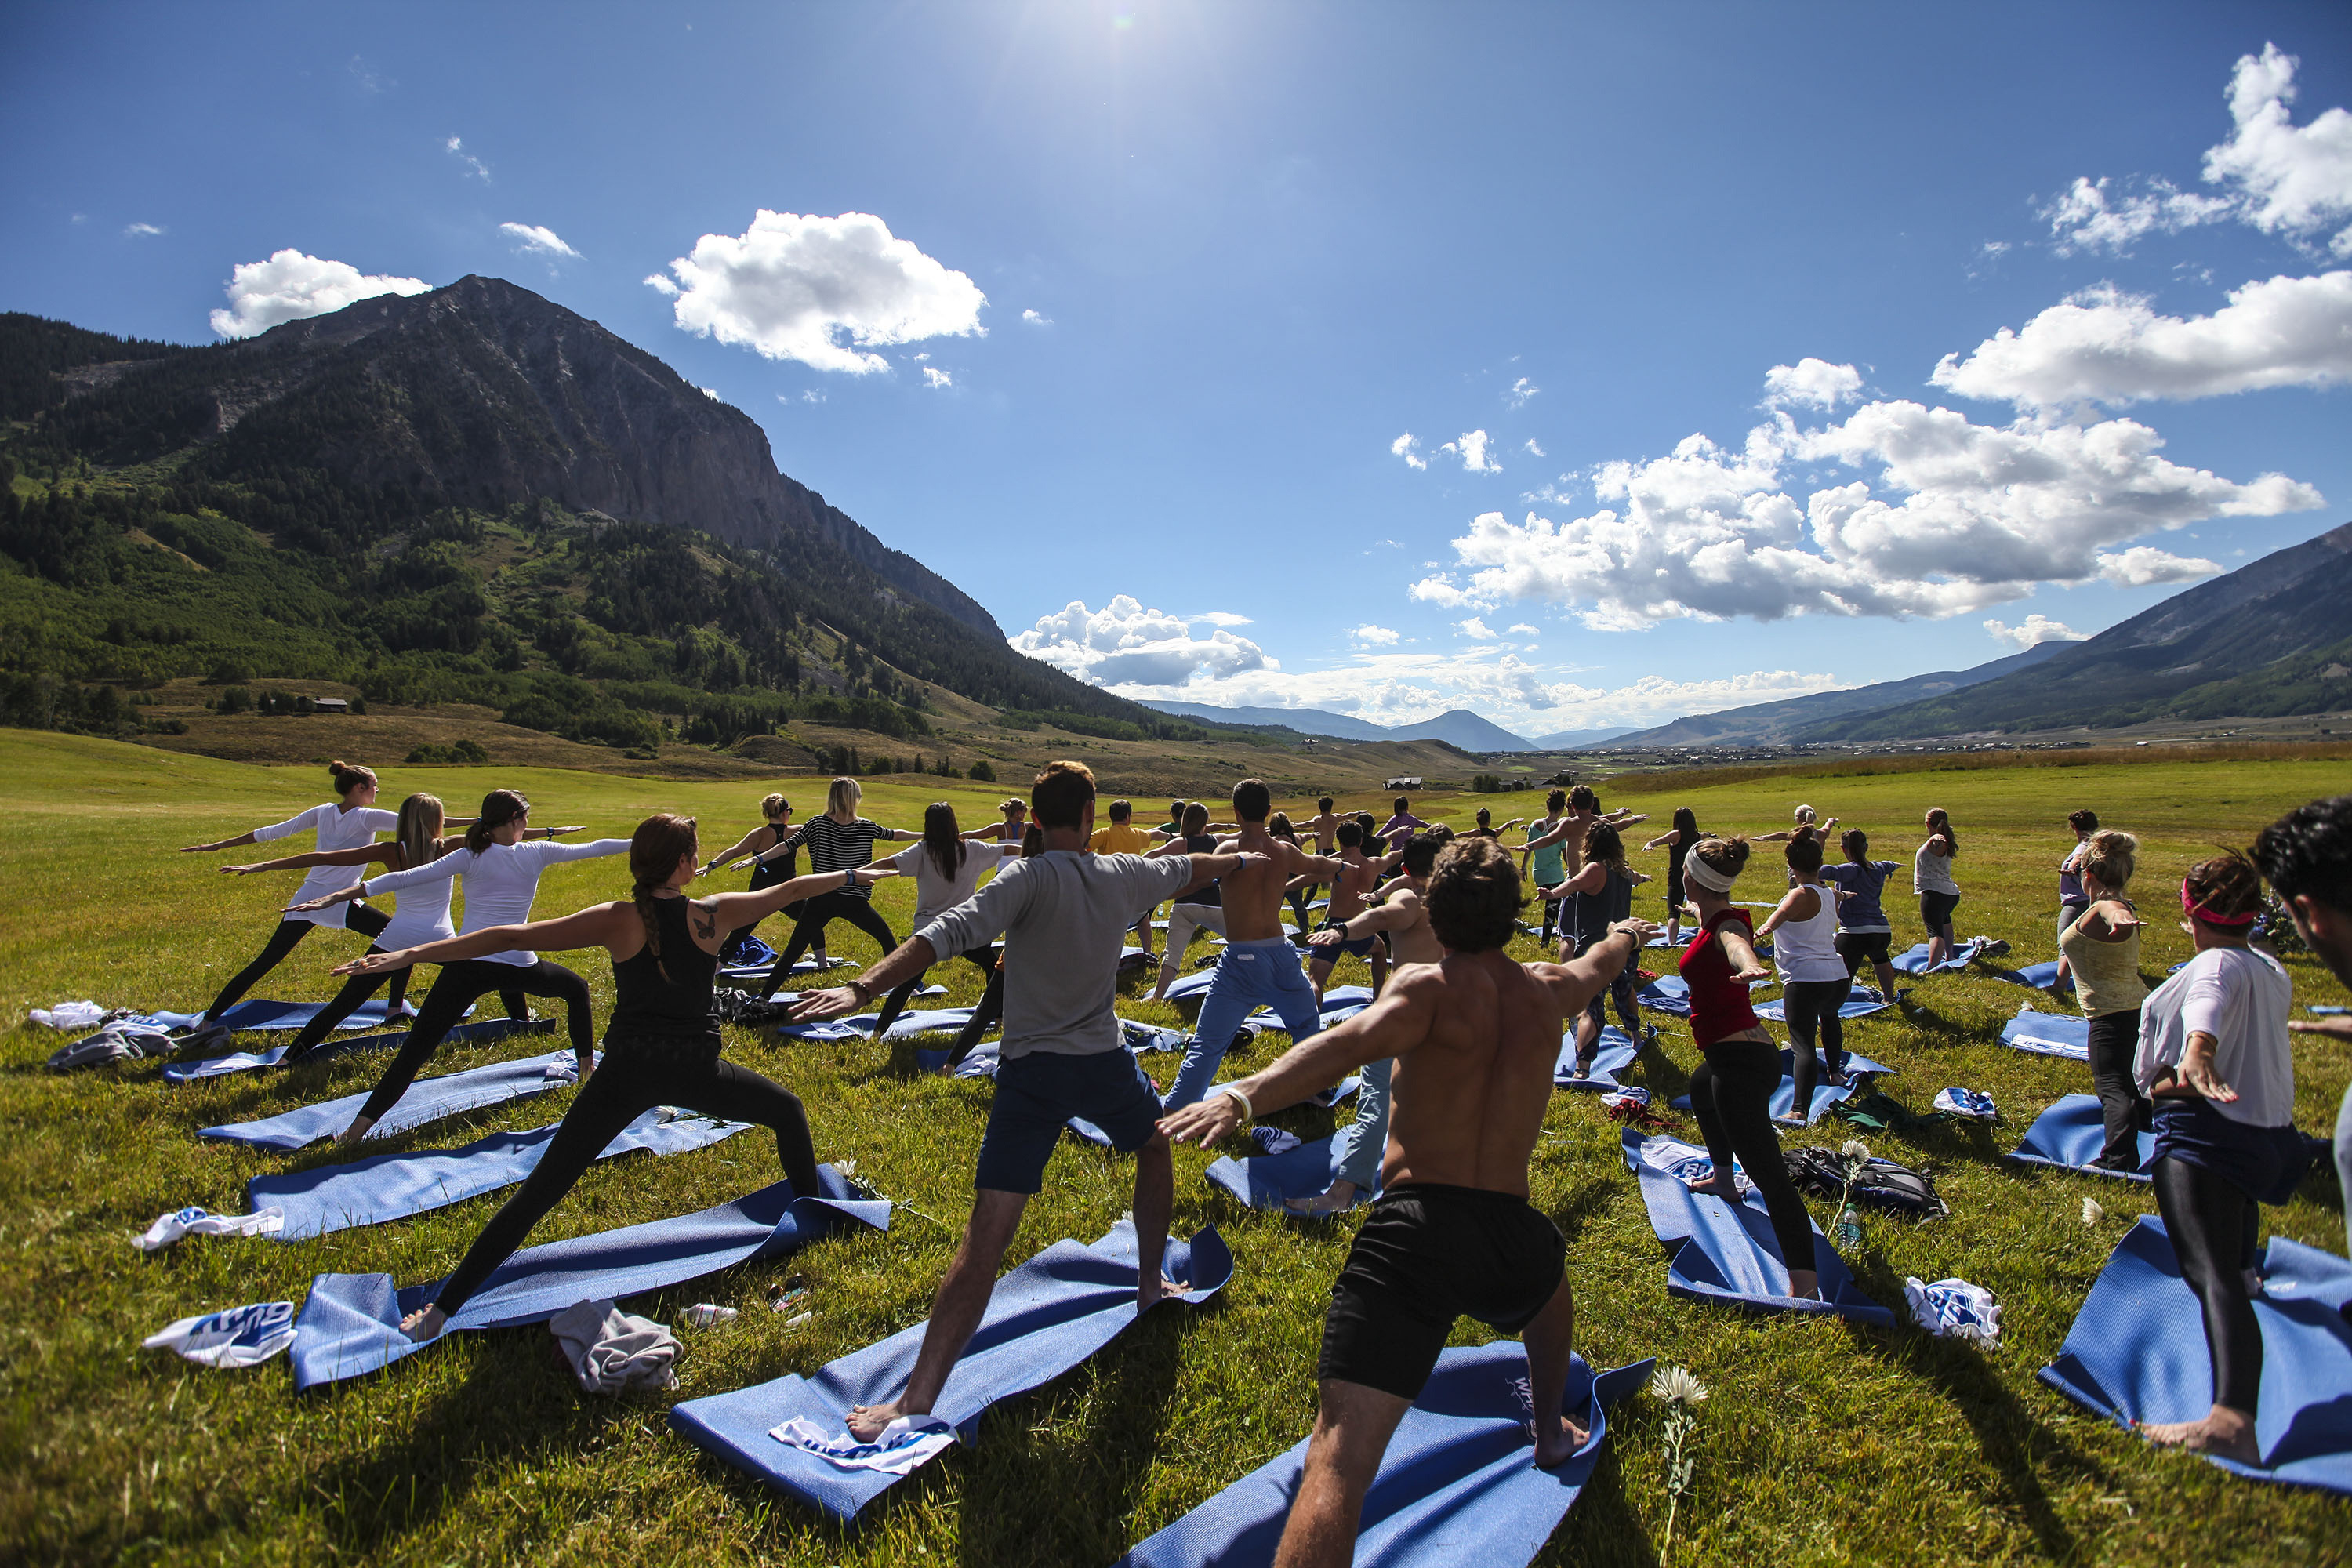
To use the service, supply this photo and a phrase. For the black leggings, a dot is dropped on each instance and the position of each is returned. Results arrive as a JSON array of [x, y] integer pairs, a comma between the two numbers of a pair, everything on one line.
[[368, 923], [814, 913], [1297, 897], [1731, 1095], [1553, 910], [1810, 1004], [1619, 990], [983, 1017], [459, 987], [357, 989], [2115, 1038], [983, 958], [2212, 1225], [637, 1074]]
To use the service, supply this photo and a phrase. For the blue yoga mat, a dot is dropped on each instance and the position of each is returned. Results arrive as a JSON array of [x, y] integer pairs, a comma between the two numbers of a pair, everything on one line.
[[394, 1186], [2070, 1135], [350, 1324], [1667, 994], [2049, 1035], [2137, 1353], [427, 1100], [255, 1014], [1268, 1181], [1723, 1252], [1860, 1003], [1044, 1318], [1825, 1094], [1914, 961], [1458, 1485], [2041, 977], [251, 1061], [1617, 1052]]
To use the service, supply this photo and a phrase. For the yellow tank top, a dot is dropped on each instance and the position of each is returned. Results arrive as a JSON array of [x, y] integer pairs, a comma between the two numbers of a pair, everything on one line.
[[2107, 974]]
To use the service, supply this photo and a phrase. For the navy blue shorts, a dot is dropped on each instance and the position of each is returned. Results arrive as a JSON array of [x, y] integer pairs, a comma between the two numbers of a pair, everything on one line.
[[2266, 1163], [1361, 947], [1037, 1094]]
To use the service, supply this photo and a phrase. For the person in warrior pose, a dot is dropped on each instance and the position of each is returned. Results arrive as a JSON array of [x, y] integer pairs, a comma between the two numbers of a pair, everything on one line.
[[1348, 896], [776, 828], [1203, 909], [1808, 826], [351, 819], [1474, 1038], [947, 868], [1863, 931], [1402, 918], [837, 841], [501, 867], [1677, 842], [1123, 837], [1813, 977], [662, 1043], [1931, 878], [1064, 915], [1583, 812], [1542, 857], [1401, 826], [422, 915], [1259, 967], [2103, 942], [1600, 899], [1486, 828], [2306, 857]]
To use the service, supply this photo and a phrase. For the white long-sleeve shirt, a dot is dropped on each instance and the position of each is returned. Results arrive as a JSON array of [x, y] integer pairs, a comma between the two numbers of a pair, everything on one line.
[[500, 882], [337, 829]]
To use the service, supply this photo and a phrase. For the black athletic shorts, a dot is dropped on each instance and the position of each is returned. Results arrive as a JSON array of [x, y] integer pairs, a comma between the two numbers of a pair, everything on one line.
[[1860, 947], [1426, 1255], [1935, 910]]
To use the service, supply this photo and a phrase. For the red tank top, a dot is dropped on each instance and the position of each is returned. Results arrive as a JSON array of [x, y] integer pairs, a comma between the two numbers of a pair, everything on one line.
[[1719, 1003]]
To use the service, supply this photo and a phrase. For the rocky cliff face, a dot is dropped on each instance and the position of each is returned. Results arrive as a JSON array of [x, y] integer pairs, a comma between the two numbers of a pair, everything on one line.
[[484, 394]]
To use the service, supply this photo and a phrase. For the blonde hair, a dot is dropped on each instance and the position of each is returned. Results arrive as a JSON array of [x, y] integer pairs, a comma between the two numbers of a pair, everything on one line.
[[844, 796], [419, 830], [774, 805], [1804, 816], [2111, 854]]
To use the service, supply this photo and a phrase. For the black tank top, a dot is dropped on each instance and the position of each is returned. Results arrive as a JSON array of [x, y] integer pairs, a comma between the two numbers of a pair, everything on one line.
[[775, 873], [1592, 914], [643, 1003], [1204, 844]]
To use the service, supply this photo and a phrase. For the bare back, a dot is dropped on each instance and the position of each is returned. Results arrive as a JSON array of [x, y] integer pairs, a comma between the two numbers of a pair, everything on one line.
[[1252, 895], [1470, 1099], [1347, 893], [1414, 941]]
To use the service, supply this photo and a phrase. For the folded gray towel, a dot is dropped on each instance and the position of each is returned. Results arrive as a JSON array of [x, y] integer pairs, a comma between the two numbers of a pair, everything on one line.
[[613, 1353]]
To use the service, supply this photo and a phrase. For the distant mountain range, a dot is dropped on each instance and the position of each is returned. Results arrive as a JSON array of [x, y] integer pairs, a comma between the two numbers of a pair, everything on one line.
[[1456, 726]]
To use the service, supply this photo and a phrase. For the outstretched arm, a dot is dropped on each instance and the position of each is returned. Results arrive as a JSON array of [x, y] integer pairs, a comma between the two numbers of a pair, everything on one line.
[[1745, 964], [1207, 868], [357, 855], [1575, 984], [736, 911], [1393, 1025], [1662, 841], [738, 848], [1781, 913], [596, 927]]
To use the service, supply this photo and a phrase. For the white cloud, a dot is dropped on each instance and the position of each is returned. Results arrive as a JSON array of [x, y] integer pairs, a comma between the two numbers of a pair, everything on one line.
[[1034, 319], [1816, 384], [2106, 346], [1521, 390], [1374, 636], [1475, 629], [1951, 517], [2144, 565], [536, 240], [141, 230], [934, 377], [1124, 644], [2036, 629], [1523, 627], [661, 285], [2294, 180], [823, 291], [1220, 618], [2085, 219], [1471, 448], [474, 166], [289, 286], [1403, 447], [1537, 450]]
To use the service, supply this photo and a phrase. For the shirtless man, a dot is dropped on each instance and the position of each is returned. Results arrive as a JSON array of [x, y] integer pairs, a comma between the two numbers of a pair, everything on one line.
[[1259, 966], [1583, 811], [1476, 1037], [1064, 915], [1323, 826], [1348, 896], [1402, 918]]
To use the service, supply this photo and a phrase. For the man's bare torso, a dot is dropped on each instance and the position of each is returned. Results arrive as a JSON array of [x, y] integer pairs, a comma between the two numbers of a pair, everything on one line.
[[1252, 895], [1470, 1101], [1349, 892], [1412, 943]]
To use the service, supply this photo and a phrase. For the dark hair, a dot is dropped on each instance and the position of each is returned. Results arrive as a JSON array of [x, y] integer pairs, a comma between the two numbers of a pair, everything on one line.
[[2308, 853], [1856, 843], [1367, 821], [1323, 802], [1686, 824], [1120, 811], [348, 776], [419, 829], [1556, 801], [1603, 843], [1803, 853], [1420, 854], [1938, 822], [1402, 805], [2084, 821], [1475, 895], [1032, 840], [2226, 884], [1584, 799], [1485, 817], [500, 807], [1279, 826], [1350, 835], [1196, 820], [943, 838], [1059, 797], [1175, 811], [660, 842], [1252, 800]]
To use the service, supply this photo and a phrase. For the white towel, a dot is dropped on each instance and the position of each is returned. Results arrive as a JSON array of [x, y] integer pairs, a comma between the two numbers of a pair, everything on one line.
[[1274, 1140], [70, 1015], [194, 1221], [614, 1352], [1954, 1308], [1972, 1103], [242, 1336], [903, 1444]]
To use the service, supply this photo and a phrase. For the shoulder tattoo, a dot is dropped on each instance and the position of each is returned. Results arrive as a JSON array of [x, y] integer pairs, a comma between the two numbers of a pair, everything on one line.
[[706, 924]]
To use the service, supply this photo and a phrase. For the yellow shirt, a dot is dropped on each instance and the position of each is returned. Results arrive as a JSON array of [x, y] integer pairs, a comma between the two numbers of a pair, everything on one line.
[[1121, 839]]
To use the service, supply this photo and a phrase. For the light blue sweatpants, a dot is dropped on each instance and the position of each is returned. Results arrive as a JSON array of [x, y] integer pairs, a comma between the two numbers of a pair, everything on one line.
[[1250, 975], [1365, 1142]]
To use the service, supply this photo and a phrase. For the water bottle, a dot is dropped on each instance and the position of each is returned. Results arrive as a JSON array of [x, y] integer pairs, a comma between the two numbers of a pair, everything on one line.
[[706, 1315]]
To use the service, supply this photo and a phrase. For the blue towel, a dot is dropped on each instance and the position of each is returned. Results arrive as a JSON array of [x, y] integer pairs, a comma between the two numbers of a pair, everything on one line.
[[2049, 1035], [393, 1186], [1666, 993], [2041, 977], [2136, 1352], [1266, 1181], [427, 1100], [350, 1325], [1860, 1003], [1825, 1094], [2070, 1135], [1915, 961], [1617, 1052], [1458, 1485], [250, 1061], [1043, 1319], [1723, 1253]]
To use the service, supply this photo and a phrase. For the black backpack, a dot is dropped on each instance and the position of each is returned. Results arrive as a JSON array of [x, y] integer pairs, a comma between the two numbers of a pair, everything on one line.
[[1882, 1184]]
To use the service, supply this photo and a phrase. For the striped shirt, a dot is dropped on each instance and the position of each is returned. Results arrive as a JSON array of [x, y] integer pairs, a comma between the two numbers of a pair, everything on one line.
[[840, 846]]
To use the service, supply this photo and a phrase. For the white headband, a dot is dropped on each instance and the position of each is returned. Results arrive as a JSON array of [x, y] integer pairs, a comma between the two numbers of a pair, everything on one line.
[[1697, 870]]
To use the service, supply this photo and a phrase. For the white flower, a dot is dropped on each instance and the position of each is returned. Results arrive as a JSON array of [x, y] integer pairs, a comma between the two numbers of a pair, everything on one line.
[[2092, 1212], [1676, 1386], [1854, 1149]]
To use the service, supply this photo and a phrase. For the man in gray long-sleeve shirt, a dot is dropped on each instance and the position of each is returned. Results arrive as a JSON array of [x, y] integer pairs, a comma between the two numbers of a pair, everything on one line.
[[1064, 915]]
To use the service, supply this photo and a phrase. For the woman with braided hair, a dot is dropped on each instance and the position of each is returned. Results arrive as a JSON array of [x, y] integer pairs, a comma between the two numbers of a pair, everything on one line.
[[661, 1045]]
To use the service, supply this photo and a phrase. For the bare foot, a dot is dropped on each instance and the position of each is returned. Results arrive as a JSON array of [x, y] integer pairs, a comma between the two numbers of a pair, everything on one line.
[[2224, 1431], [1804, 1284], [424, 1323], [1150, 1293], [355, 1131], [865, 1421], [1338, 1198], [1566, 1438], [1723, 1187]]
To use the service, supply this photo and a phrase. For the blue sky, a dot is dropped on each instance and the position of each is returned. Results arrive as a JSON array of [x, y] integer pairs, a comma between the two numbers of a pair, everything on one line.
[[1150, 295]]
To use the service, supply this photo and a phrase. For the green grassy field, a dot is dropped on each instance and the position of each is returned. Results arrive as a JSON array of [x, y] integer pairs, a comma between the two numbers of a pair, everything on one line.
[[1823, 1441]]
